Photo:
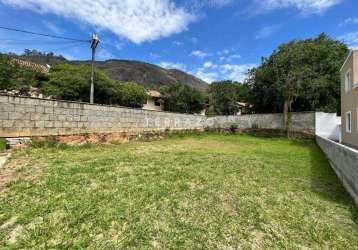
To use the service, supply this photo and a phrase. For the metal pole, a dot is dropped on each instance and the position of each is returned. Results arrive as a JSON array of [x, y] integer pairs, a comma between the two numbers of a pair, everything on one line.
[[92, 76], [94, 43]]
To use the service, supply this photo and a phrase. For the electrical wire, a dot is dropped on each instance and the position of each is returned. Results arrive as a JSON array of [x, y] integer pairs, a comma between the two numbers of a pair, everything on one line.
[[42, 34], [68, 47], [49, 43], [112, 51]]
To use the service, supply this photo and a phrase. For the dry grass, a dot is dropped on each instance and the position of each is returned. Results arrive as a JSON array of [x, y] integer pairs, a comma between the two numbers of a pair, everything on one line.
[[197, 191]]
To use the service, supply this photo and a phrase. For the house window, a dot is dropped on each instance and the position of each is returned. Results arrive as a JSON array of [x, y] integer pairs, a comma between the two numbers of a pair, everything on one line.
[[348, 122], [348, 80], [156, 102]]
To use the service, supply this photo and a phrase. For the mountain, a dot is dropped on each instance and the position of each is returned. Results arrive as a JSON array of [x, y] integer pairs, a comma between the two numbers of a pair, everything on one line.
[[149, 75]]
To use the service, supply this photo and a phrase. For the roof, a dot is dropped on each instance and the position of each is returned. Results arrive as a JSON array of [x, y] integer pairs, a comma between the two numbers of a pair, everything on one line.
[[349, 55], [154, 93], [34, 66]]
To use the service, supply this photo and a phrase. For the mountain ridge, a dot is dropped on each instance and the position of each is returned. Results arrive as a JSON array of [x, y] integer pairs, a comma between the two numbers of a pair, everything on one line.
[[149, 75]]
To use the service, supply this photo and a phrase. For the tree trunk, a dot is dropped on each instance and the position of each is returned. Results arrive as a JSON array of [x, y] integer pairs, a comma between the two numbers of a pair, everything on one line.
[[285, 115]]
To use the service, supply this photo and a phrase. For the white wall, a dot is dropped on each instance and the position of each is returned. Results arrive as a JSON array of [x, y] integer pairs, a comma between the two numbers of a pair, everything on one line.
[[150, 105], [328, 125]]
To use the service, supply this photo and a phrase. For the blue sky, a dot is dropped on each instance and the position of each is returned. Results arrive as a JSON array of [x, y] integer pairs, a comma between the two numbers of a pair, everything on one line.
[[212, 39]]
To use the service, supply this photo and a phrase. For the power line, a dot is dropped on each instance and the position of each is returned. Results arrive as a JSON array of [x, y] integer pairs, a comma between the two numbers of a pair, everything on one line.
[[72, 46], [42, 34], [28, 42]]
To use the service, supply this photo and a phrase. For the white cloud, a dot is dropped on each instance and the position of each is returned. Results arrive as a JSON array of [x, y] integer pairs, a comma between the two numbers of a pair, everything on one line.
[[119, 45], [350, 20], [236, 72], [194, 40], [304, 6], [135, 20], [172, 65], [53, 28], [229, 58], [209, 64], [351, 39], [224, 52], [210, 72], [154, 55], [266, 31], [199, 54], [200, 4], [227, 55], [177, 43], [206, 76]]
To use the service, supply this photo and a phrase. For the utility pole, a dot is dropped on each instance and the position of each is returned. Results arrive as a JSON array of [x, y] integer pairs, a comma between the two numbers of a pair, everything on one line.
[[94, 43]]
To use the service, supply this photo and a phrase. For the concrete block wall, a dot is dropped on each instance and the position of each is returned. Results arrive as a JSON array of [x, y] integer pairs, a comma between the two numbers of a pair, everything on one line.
[[21, 117], [344, 161], [299, 122], [29, 117]]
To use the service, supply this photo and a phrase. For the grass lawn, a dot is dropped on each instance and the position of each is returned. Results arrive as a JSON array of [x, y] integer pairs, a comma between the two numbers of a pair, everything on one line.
[[186, 192]]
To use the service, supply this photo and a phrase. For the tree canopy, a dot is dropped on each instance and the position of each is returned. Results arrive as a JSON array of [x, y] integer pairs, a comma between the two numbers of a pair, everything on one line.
[[182, 98], [224, 96], [302, 75], [15, 77], [70, 82]]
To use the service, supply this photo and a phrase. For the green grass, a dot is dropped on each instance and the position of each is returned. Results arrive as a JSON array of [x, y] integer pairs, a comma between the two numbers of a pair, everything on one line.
[[2, 145], [208, 191]]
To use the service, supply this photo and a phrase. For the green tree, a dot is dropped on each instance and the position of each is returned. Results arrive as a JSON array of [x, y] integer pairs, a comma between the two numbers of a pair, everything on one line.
[[127, 94], [15, 77], [70, 82], [224, 96], [302, 75], [182, 98]]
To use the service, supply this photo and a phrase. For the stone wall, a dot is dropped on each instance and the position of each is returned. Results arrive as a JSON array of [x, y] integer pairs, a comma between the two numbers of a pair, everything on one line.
[[22, 117], [344, 161], [31, 117], [299, 122]]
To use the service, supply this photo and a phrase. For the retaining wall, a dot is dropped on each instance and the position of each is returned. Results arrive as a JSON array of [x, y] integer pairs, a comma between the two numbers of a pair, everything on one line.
[[299, 122], [344, 161], [21, 117], [29, 117]]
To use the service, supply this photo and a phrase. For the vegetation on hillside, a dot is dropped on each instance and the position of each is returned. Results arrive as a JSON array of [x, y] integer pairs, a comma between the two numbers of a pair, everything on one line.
[[15, 77], [69, 82], [148, 75], [204, 191]]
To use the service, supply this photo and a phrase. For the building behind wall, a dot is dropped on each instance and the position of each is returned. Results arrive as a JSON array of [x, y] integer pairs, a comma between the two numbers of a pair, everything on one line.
[[154, 101], [349, 99]]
